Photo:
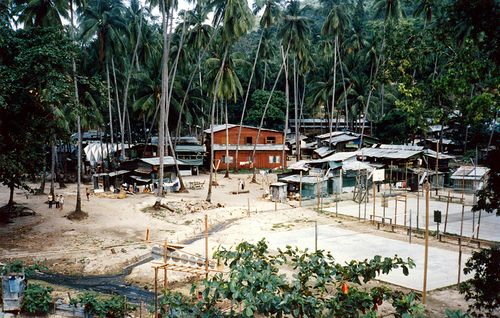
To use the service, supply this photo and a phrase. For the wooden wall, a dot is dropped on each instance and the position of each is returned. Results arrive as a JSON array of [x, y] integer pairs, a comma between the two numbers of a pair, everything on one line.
[[262, 158], [220, 136]]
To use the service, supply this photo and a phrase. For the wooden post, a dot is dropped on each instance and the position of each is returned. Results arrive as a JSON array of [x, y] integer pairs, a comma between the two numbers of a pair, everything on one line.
[[156, 292], [478, 224], [390, 183], [147, 235], [396, 210], [373, 220], [315, 236], [437, 166], [447, 208], [426, 241], [461, 232], [206, 246], [300, 189], [406, 191], [319, 190], [340, 183], [165, 285]]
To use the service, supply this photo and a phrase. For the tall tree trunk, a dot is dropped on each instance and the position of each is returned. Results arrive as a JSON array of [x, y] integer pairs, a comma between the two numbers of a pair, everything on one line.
[[110, 116], [120, 118], [245, 102], [254, 178], [227, 144], [214, 105], [346, 119], [287, 96], [296, 102], [333, 90], [164, 91]]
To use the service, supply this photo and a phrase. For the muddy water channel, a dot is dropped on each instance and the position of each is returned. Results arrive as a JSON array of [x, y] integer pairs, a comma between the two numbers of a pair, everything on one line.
[[113, 284]]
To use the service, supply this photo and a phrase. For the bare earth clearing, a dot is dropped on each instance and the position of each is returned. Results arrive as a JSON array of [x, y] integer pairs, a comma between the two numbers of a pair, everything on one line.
[[112, 236]]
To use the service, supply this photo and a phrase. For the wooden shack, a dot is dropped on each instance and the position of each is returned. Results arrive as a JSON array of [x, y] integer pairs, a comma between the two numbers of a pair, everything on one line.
[[268, 153]]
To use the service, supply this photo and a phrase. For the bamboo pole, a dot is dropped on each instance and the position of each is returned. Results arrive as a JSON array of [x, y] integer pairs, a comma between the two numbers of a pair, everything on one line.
[[373, 220], [447, 209], [437, 166], [300, 189], [406, 190], [206, 246], [396, 210], [426, 241], [156, 292], [340, 177], [165, 285], [318, 193], [461, 232], [390, 182]]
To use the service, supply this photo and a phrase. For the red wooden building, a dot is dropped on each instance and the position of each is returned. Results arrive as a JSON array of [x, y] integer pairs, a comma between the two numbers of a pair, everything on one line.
[[268, 154]]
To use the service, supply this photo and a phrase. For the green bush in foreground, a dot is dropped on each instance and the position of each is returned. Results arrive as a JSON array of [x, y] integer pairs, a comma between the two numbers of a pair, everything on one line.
[[320, 287], [37, 299], [100, 306]]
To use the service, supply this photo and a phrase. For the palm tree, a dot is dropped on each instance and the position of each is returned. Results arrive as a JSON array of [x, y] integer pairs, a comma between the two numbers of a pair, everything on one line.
[[104, 19], [425, 9], [295, 31], [335, 24], [237, 20], [42, 13], [271, 10]]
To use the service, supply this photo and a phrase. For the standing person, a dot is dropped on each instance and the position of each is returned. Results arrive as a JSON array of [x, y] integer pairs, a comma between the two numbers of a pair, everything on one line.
[[57, 201], [50, 198], [61, 202], [242, 184], [88, 194]]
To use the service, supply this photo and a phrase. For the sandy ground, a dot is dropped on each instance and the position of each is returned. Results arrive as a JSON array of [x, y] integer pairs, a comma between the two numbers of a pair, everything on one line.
[[113, 235]]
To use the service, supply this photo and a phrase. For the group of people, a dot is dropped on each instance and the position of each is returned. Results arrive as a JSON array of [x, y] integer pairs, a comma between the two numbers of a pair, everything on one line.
[[58, 201]]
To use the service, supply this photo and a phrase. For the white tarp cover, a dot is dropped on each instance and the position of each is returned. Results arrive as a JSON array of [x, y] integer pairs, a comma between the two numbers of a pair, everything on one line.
[[95, 152]]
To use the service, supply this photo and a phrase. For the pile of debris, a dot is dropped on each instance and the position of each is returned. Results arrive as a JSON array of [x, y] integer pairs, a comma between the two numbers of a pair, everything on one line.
[[183, 207]]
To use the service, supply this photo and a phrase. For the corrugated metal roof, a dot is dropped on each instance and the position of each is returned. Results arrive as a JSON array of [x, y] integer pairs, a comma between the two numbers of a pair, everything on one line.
[[260, 147], [355, 165], [229, 126], [299, 165], [470, 173], [387, 153], [339, 156], [323, 151], [402, 147], [305, 179], [189, 148], [334, 134], [167, 161], [432, 154]]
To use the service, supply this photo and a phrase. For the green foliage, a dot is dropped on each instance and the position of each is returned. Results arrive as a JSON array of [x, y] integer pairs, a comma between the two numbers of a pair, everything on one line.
[[489, 196], [484, 287], [37, 299], [17, 267], [319, 287], [456, 314], [393, 128], [275, 114], [110, 307]]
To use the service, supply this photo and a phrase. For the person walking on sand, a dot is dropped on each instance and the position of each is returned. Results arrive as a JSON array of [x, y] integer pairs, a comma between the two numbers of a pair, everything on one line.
[[88, 194], [61, 202], [50, 200], [57, 201]]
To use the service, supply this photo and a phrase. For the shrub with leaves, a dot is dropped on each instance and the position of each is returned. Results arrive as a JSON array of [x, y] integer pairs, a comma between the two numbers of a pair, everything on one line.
[[484, 287], [320, 287], [100, 306], [37, 299], [17, 267]]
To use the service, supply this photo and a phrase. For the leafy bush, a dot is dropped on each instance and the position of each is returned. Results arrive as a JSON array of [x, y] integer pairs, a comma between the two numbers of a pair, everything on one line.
[[17, 267], [114, 307], [320, 287], [484, 287], [37, 299]]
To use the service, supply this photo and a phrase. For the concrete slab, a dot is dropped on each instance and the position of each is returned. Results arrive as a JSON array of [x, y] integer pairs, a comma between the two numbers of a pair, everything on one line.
[[489, 228], [347, 245]]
